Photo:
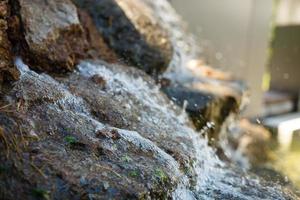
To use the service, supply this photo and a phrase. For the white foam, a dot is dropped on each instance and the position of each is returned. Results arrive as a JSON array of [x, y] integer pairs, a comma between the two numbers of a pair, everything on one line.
[[22, 67]]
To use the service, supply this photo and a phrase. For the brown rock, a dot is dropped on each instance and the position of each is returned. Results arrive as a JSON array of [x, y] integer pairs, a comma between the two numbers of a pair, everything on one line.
[[254, 142], [98, 47], [99, 81], [53, 34], [7, 70], [113, 134], [131, 30], [251, 140], [3, 9]]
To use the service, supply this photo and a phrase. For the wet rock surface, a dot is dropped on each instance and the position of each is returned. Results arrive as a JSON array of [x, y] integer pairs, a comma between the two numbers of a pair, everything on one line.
[[98, 48], [7, 70], [107, 131], [251, 140], [184, 45], [53, 35], [55, 144], [79, 156], [134, 106], [129, 27], [207, 110]]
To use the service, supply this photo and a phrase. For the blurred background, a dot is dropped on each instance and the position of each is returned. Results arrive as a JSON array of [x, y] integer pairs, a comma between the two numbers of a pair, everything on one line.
[[257, 41]]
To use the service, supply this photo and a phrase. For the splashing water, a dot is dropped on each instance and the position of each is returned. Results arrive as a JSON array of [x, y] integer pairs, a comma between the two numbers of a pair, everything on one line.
[[183, 43], [22, 67], [214, 178]]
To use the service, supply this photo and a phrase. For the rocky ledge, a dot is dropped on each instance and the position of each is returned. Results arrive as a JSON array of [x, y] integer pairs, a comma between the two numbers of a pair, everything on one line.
[[109, 100]]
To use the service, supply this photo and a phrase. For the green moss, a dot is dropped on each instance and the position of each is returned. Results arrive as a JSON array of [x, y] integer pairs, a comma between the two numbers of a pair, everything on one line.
[[40, 193], [70, 140], [160, 175], [133, 173]]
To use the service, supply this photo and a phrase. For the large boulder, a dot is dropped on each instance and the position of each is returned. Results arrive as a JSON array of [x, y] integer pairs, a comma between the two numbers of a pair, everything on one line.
[[50, 134]]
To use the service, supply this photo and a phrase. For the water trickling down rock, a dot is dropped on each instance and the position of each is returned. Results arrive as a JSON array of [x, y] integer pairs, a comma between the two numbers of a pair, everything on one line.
[[107, 131]]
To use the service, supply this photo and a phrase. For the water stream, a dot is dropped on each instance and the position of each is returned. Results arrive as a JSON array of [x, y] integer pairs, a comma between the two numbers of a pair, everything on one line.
[[214, 178]]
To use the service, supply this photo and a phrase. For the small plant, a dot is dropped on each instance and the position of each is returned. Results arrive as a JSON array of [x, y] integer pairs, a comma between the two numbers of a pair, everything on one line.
[[161, 175], [40, 193], [70, 140], [134, 173], [75, 144]]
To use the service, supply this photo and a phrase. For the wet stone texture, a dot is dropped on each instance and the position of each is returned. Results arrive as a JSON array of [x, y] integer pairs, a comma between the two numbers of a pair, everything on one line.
[[252, 140], [53, 35], [98, 48], [104, 132], [207, 106], [129, 28], [7, 70], [50, 134], [119, 105], [208, 95], [107, 131]]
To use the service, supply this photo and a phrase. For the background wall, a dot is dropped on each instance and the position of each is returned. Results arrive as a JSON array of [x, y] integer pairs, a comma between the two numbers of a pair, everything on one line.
[[234, 35], [285, 61]]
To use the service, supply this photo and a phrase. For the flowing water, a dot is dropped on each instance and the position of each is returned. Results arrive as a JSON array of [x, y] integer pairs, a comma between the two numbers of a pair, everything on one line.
[[214, 178]]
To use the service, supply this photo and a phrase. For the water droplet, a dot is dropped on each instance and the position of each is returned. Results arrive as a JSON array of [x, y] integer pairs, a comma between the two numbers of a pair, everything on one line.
[[258, 121]]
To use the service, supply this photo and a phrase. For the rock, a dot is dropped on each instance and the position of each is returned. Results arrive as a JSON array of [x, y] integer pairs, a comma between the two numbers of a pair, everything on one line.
[[99, 81], [130, 28], [211, 95], [8, 72], [53, 35], [106, 131], [97, 46], [185, 46], [207, 109], [113, 103], [271, 175], [65, 139], [4, 9], [196, 102], [74, 151], [253, 141]]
